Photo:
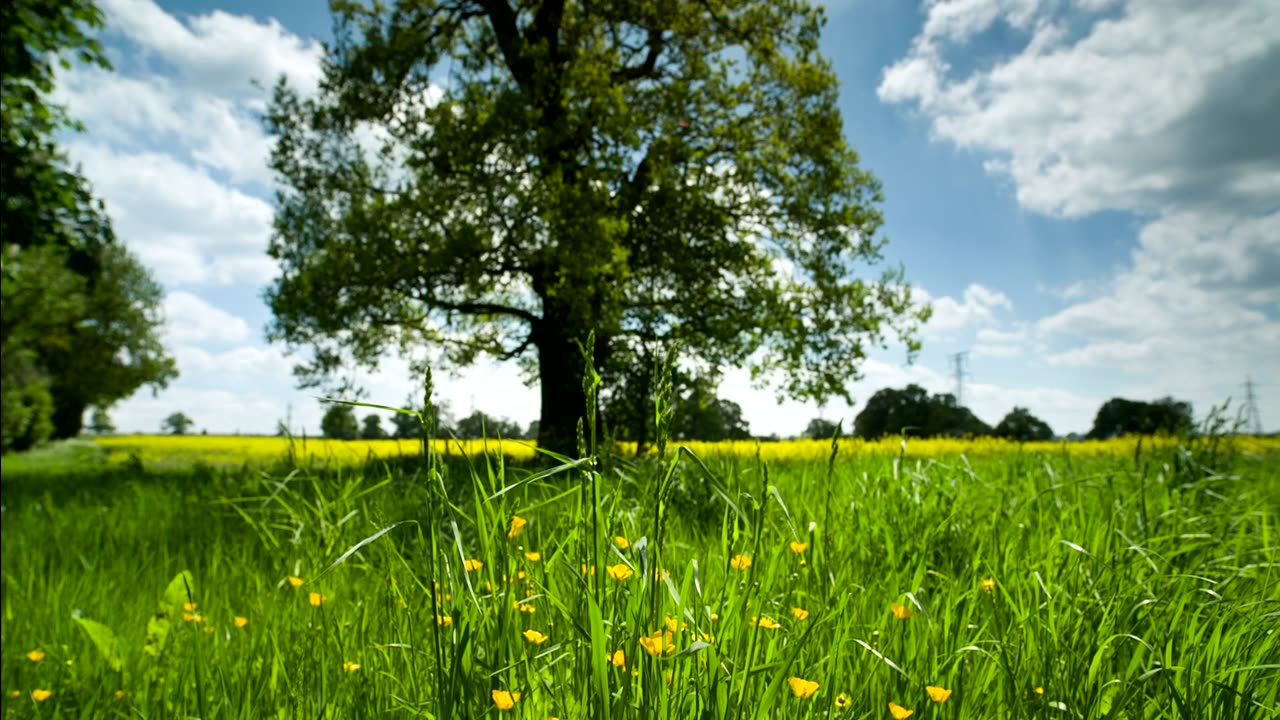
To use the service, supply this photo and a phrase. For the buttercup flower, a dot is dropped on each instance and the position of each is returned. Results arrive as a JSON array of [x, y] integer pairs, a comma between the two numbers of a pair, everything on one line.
[[517, 526], [473, 565], [41, 695], [740, 562], [987, 585], [505, 700], [241, 621], [533, 556], [802, 688], [316, 599], [765, 622], [622, 542], [36, 656], [799, 547], [534, 637], [799, 613], [657, 643], [900, 713], [445, 620], [350, 666], [843, 701], [937, 694], [620, 572], [900, 611], [295, 581], [189, 606]]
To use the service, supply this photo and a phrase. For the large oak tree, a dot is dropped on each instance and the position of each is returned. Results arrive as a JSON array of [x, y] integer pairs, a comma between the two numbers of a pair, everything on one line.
[[490, 178]]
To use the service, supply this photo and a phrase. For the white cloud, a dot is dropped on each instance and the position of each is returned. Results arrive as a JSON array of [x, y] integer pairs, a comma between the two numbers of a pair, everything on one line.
[[977, 306], [188, 319]]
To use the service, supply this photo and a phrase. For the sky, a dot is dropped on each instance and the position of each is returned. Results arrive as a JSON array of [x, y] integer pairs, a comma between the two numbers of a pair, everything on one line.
[[1087, 191]]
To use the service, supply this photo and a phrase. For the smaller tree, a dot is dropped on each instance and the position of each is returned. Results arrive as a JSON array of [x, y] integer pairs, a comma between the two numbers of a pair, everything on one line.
[[481, 425], [339, 422], [177, 424], [405, 426], [820, 429], [532, 432], [372, 428], [100, 423], [1022, 426]]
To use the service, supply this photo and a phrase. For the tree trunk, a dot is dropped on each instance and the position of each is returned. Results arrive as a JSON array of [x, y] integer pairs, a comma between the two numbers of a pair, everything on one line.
[[560, 373], [68, 416]]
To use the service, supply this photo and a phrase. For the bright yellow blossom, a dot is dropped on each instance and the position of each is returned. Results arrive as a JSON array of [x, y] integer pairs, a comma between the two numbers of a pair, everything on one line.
[[36, 656], [295, 581], [799, 547], [987, 585], [533, 556], [900, 713], [937, 694], [41, 695], [740, 562], [622, 542], [843, 701], [473, 565], [619, 658], [505, 700], [517, 526], [802, 688], [765, 622], [900, 611], [620, 572], [350, 666], [189, 606], [241, 621], [316, 599], [657, 643], [799, 613], [534, 637]]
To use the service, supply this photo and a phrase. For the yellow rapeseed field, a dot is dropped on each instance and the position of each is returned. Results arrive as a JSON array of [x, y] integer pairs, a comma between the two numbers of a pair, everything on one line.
[[238, 449]]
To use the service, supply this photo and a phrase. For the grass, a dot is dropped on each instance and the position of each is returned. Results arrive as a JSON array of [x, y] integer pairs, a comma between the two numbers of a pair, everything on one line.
[[1030, 584]]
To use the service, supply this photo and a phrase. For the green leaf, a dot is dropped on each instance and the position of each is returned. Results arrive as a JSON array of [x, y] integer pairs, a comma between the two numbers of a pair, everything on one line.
[[105, 640], [180, 591]]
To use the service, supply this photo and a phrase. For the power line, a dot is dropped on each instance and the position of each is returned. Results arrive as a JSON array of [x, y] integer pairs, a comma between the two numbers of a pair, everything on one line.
[[958, 369], [1252, 418]]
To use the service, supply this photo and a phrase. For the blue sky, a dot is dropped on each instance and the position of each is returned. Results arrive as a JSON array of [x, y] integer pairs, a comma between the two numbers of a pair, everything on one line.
[[1087, 190]]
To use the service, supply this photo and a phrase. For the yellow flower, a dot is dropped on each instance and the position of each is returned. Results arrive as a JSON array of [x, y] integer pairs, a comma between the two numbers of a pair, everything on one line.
[[195, 617], [41, 695], [799, 547], [533, 556], [802, 688], [657, 643], [210, 629], [522, 607], [765, 622], [843, 701], [715, 617], [900, 713], [620, 572], [584, 569], [35, 655], [672, 624], [350, 666], [619, 658], [740, 562], [119, 694], [937, 694], [517, 525], [316, 599], [621, 542], [473, 565], [900, 611], [987, 585], [189, 606], [505, 700], [15, 693], [799, 613], [1039, 691], [241, 621], [295, 581], [444, 619], [534, 637]]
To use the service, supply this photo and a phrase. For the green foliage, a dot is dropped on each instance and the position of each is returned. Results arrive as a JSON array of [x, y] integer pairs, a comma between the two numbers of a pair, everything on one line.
[[100, 422], [479, 425], [1119, 416], [915, 412], [104, 639], [81, 315], [339, 422], [545, 170], [371, 429], [177, 424], [176, 595], [408, 426], [1021, 425], [820, 429]]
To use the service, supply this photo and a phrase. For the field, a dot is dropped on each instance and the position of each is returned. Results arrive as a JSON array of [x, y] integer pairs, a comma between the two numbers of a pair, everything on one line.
[[257, 578]]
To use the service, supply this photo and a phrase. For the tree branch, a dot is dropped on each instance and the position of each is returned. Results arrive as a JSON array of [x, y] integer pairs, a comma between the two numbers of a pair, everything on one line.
[[483, 308], [503, 21], [646, 68]]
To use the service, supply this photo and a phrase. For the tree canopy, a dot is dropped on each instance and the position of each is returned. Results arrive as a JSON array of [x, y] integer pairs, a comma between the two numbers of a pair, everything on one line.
[[339, 422], [820, 429], [81, 318], [915, 412], [177, 424], [1021, 425], [1119, 416], [483, 178]]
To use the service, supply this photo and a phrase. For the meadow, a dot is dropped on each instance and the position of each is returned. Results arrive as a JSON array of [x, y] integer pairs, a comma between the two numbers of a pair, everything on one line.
[[254, 578]]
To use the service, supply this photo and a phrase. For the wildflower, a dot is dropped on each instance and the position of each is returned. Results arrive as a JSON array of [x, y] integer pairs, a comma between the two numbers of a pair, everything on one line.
[[350, 666], [802, 688], [209, 629], [987, 585], [119, 694], [522, 607], [316, 599], [657, 643], [196, 617], [35, 656], [622, 542], [900, 611], [620, 572], [41, 695], [584, 569], [517, 526], [843, 701], [672, 624], [799, 613], [295, 581], [473, 565], [241, 621], [189, 606], [765, 622], [505, 700], [799, 547], [15, 693], [900, 713], [444, 620], [740, 562], [619, 658], [937, 694], [534, 637], [715, 617], [533, 556]]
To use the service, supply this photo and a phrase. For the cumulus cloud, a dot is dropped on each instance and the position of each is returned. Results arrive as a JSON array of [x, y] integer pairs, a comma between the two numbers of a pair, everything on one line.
[[1161, 108], [189, 319], [977, 306]]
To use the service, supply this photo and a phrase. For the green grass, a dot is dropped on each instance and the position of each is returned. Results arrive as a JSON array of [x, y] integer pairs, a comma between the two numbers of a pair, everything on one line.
[[1138, 588]]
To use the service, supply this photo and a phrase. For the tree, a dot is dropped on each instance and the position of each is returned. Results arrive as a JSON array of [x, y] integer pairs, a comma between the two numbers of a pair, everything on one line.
[[372, 428], [81, 321], [914, 412], [177, 424], [408, 426], [652, 173], [1022, 426], [101, 424], [479, 425], [339, 422], [1119, 416], [700, 415], [820, 429]]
